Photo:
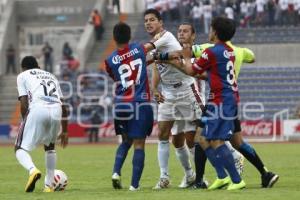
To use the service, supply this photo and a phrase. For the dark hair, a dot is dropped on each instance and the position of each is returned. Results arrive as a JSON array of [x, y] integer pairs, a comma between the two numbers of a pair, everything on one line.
[[29, 62], [224, 27], [154, 12], [122, 33], [189, 24]]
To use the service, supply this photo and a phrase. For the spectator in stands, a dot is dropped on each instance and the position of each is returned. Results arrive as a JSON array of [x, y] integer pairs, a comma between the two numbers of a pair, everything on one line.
[[47, 51], [207, 14], [271, 9], [73, 63], [297, 9], [11, 59], [196, 13], [97, 22], [95, 121], [174, 10], [67, 51], [229, 11], [260, 4], [117, 4]]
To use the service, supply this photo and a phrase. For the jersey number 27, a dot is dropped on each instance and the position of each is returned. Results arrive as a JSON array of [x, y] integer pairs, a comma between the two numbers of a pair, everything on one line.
[[126, 71]]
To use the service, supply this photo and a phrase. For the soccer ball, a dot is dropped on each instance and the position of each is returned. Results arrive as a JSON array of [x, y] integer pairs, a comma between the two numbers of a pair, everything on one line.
[[60, 180]]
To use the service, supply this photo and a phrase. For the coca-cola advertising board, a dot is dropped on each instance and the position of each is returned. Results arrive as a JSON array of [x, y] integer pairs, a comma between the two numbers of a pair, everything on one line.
[[260, 128]]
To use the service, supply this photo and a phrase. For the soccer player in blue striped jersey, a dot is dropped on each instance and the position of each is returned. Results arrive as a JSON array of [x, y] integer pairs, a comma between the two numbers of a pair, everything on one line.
[[132, 110], [243, 55]]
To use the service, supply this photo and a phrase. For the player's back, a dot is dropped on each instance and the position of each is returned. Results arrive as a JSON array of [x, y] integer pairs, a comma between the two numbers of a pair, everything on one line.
[[127, 67], [41, 87], [221, 74]]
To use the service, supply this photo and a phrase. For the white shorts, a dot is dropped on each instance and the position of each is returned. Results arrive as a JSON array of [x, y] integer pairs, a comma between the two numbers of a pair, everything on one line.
[[182, 126], [41, 126], [187, 106]]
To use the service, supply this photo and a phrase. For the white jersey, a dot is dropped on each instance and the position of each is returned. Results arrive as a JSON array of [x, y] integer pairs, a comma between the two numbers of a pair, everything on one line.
[[170, 76], [41, 87]]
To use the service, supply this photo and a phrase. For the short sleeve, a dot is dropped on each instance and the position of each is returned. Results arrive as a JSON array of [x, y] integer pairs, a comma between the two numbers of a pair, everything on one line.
[[59, 91], [108, 70], [162, 41], [21, 86], [248, 55], [202, 64]]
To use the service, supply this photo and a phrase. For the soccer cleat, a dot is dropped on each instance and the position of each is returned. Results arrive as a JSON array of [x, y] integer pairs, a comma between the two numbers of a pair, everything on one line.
[[116, 181], [269, 179], [200, 185], [239, 164], [220, 183], [162, 184], [33, 178], [48, 189], [187, 181], [133, 189], [237, 186]]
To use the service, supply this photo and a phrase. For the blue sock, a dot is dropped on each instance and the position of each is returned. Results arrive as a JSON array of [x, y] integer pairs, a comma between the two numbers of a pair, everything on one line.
[[211, 155], [121, 156], [137, 166], [224, 156]]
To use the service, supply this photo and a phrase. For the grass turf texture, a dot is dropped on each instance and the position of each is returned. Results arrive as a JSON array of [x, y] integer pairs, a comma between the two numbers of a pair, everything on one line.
[[89, 175]]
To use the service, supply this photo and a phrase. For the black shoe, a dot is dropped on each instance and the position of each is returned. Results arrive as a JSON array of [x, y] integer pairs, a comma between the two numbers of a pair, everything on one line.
[[269, 179], [200, 185]]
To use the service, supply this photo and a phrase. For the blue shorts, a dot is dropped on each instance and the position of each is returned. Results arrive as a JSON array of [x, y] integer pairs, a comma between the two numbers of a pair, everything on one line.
[[134, 119], [221, 124]]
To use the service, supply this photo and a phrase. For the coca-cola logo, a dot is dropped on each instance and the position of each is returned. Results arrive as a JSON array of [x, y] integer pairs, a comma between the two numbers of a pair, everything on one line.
[[257, 128]]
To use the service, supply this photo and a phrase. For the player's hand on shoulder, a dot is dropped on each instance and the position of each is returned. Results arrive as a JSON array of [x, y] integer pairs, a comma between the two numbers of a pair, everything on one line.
[[159, 98], [64, 139]]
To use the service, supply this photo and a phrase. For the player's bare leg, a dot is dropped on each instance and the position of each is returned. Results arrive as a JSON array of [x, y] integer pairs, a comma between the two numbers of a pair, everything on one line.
[[50, 163], [25, 160], [163, 153], [121, 155], [268, 179], [137, 163], [183, 156]]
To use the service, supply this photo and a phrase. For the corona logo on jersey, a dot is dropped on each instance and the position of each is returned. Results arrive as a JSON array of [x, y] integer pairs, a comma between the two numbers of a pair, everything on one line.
[[228, 54], [119, 58]]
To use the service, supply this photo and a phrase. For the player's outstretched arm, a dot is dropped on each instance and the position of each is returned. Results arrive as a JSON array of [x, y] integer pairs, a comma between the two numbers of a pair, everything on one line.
[[63, 136]]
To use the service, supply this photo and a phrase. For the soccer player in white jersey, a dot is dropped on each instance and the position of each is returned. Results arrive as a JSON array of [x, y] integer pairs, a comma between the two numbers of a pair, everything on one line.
[[44, 117], [177, 99]]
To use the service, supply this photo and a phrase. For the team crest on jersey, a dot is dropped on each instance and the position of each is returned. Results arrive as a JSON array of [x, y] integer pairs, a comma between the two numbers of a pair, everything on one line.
[[161, 68], [205, 56], [228, 54]]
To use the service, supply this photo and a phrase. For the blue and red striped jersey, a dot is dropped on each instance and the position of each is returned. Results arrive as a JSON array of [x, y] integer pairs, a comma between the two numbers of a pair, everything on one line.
[[127, 67], [218, 61]]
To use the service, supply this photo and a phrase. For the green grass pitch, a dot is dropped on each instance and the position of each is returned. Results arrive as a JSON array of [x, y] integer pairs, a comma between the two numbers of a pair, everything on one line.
[[89, 171]]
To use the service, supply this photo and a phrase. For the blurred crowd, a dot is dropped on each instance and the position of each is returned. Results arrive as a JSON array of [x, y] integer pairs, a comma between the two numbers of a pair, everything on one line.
[[246, 13]]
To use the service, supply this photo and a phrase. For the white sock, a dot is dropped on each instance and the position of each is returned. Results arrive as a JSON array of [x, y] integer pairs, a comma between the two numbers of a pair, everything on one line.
[[192, 153], [235, 153], [50, 161], [163, 154], [183, 156], [25, 160]]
